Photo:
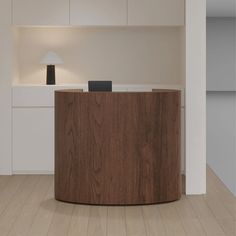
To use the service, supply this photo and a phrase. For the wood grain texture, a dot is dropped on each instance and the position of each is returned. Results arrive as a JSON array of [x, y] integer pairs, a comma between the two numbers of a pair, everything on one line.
[[117, 148]]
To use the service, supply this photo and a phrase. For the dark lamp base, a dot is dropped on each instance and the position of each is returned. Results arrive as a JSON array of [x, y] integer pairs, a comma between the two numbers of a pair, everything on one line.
[[50, 75]]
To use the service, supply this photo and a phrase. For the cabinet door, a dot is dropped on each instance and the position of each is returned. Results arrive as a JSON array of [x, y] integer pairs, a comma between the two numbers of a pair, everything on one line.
[[41, 12], [33, 140], [98, 12], [156, 12]]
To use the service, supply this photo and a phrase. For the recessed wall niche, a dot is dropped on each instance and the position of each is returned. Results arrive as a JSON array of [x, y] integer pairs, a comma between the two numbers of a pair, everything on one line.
[[125, 55]]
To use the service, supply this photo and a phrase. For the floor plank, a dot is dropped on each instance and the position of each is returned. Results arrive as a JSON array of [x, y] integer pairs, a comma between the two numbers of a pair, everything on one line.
[[218, 209], [174, 227], [97, 221], [212, 227], [3, 182], [61, 219], [30, 208], [200, 207], [193, 227], [13, 209], [168, 211], [185, 209], [43, 217], [153, 221], [9, 191], [116, 221], [228, 226], [79, 221], [135, 225]]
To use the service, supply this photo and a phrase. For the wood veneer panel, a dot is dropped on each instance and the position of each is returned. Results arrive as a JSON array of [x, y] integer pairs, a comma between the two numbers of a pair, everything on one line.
[[117, 148]]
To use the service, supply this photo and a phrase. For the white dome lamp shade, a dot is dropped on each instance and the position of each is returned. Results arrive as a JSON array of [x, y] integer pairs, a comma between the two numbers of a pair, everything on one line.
[[51, 59]]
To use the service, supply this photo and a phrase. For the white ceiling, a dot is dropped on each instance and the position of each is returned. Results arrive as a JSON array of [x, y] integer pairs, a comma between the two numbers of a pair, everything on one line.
[[221, 8]]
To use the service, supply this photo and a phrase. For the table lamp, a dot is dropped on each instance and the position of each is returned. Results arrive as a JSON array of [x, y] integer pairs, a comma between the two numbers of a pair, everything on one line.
[[51, 59]]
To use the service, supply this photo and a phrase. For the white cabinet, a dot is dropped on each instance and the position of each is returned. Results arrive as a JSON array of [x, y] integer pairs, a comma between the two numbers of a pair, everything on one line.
[[40, 12], [33, 96], [33, 140], [156, 12], [98, 12], [33, 128]]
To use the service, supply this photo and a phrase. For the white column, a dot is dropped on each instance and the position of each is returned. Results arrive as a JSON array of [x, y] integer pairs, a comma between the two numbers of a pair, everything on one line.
[[195, 96], [5, 86]]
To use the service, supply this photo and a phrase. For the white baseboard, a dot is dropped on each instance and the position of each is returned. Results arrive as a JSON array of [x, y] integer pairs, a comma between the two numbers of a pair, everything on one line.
[[33, 172]]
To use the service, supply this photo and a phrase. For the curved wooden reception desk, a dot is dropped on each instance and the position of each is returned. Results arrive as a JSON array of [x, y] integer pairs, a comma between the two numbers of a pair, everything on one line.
[[117, 148]]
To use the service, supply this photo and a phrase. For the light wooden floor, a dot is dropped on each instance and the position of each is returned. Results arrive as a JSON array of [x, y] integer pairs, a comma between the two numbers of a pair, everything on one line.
[[27, 208]]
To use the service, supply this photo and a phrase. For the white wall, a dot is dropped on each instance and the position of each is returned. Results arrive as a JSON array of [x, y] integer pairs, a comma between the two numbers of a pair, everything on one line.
[[221, 54], [6, 46], [137, 55], [221, 101], [221, 136], [196, 96], [221, 8]]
